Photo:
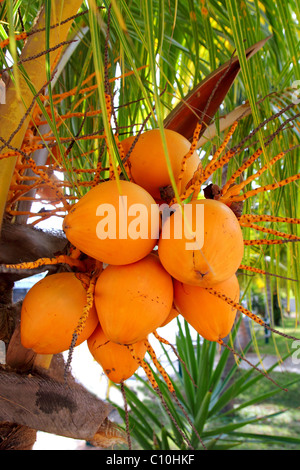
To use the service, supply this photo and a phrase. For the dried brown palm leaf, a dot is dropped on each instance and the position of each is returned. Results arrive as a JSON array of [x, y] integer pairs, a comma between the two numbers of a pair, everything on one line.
[[203, 101]]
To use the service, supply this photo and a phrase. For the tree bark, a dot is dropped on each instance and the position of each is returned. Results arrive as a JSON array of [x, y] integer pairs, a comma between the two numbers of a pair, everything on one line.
[[46, 404]]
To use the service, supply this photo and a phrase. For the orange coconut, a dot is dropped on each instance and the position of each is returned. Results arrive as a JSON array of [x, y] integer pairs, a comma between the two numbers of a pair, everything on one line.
[[148, 161], [116, 360], [209, 315], [203, 245], [133, 300], [51, 311], [173, 314], [191, 166], [117, 223]]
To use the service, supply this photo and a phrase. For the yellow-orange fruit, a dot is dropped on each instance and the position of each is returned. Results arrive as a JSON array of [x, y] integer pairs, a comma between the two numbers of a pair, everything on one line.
[[133, 300], [148, 161], [116, 228], [116, 360], [50, 313], [209, 315], [173, 314], [191, 166], [203, 245]]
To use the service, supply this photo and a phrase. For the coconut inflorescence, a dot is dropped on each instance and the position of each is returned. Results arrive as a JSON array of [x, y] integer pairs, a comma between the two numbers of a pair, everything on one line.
[[157, 265], [139, 257]]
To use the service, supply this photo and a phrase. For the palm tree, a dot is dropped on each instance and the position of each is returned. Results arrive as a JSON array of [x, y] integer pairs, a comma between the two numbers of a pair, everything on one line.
[[162, 64]]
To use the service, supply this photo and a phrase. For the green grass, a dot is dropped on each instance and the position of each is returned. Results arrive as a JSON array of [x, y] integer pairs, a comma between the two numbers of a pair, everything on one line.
[[278, 345], [285, 404], [286, 423]]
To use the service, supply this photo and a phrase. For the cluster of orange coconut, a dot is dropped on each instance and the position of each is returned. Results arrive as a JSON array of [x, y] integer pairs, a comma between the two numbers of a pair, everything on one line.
[[155, 264]]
